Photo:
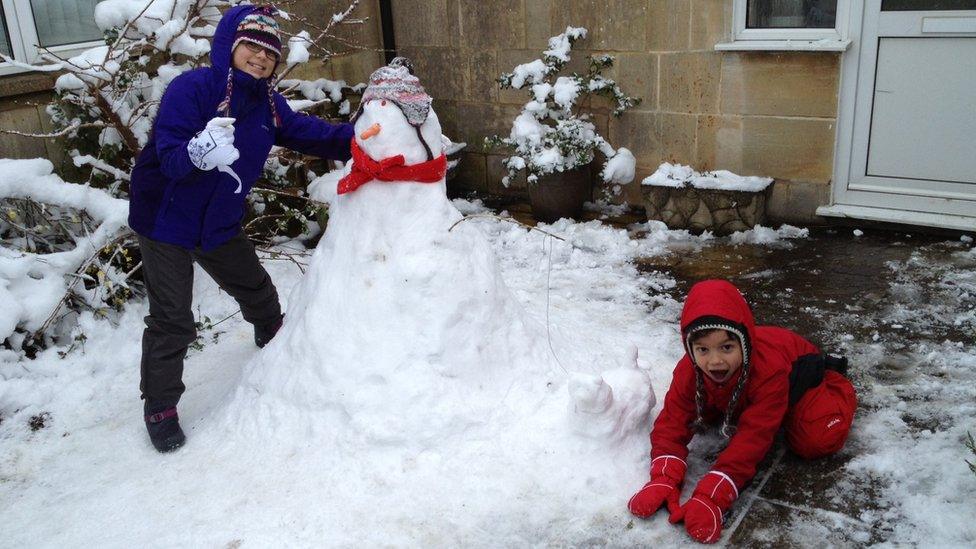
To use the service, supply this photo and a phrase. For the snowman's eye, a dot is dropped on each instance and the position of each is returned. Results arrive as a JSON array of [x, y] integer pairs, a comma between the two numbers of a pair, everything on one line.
[[383, 103]]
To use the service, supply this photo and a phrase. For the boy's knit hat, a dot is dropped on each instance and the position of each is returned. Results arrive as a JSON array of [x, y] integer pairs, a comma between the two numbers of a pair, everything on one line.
[[259, 27], [397, 84]]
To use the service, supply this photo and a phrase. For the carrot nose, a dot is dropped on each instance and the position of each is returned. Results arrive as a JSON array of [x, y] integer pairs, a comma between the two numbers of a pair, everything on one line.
[[370, 132]]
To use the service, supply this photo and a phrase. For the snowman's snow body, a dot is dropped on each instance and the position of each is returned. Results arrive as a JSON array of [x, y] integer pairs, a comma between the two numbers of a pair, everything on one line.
[[403, 332]]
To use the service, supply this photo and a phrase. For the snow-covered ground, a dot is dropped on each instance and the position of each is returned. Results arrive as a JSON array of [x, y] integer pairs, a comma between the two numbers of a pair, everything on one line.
[[89, 476]]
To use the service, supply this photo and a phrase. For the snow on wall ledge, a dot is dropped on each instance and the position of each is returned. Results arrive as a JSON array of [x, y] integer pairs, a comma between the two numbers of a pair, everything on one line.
[[678, 175]]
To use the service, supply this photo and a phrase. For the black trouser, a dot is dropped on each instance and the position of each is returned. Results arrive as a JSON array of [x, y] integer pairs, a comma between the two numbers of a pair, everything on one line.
[[168, 272]]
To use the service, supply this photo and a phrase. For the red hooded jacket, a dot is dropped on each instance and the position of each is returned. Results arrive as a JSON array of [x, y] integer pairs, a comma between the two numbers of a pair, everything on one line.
[[763, 402]]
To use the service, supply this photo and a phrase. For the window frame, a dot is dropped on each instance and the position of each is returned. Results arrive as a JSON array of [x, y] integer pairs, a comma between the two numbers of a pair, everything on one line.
[[22, 33], [805, 39]]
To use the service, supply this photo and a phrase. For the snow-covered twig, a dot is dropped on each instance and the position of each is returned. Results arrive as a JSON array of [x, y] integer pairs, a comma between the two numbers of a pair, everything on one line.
[[61, 133], [101, 165], [38, 68], [508, 219]]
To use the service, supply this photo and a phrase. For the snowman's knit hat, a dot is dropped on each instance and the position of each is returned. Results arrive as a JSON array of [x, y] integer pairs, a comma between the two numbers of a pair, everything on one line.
[[397, 84]]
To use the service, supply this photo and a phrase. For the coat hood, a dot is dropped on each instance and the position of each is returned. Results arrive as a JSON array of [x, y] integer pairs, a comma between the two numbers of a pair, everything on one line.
[[223, 39], [718, 304]]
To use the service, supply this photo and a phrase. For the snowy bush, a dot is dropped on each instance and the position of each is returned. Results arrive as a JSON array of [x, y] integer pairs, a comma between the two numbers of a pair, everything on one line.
[[105, 101], [553, 133], [62, 249]]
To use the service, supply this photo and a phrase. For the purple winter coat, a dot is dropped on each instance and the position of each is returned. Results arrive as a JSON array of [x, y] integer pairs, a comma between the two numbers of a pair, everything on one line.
[[174, 202]]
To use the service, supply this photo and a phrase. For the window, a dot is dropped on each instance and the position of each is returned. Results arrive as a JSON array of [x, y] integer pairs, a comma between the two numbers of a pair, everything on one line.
[[4, 37], [814, 25], [784, 14], [60, 22], [925, 5], [65, 27]]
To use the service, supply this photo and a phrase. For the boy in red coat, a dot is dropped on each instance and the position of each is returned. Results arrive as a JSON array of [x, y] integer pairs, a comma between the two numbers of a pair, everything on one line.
[[752, 378]]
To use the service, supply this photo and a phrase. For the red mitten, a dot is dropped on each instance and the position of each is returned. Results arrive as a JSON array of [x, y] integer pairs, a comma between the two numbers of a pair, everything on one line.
[[703, 512], [667, 473]]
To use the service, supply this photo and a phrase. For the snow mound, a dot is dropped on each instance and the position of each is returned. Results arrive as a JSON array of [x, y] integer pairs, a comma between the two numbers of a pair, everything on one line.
[[678, 175], [403, 346]]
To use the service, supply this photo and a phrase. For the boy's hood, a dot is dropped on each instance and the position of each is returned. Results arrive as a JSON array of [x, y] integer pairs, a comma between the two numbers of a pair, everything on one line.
[[711, 299], [716, 298], [223, 39]]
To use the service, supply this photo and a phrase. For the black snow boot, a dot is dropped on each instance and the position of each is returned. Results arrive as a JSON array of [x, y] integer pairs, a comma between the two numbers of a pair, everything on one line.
[[163, 425], [264, 334]]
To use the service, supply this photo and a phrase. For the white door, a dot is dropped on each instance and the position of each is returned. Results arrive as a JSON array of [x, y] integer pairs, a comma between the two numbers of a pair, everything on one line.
[[907, 144]]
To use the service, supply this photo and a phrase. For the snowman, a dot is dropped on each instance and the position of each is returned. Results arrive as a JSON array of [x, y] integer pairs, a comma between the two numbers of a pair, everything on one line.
[[403, 332]]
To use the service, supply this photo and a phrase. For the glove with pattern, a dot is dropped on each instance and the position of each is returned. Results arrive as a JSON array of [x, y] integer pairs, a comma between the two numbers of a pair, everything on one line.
[[214, 145]]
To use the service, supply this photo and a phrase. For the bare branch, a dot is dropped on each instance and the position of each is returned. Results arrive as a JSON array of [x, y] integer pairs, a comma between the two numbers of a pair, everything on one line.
[[62, 133], [508, 219]]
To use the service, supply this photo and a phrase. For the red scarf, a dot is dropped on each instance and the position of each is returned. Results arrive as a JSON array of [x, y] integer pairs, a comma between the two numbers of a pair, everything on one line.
[[365, 169]]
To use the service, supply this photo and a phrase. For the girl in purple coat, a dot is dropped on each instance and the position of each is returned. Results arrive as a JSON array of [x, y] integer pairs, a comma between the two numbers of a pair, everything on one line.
[[215, 128]]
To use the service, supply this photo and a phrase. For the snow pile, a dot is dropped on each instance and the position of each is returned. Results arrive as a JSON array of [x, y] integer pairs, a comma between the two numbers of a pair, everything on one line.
[[766, 235], [93, 468], [403, 335], [620, 168], [678, 175], [32, 285], [298, 48]]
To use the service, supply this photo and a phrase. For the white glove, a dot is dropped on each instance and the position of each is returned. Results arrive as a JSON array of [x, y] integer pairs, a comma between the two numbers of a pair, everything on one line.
[[214, 145]]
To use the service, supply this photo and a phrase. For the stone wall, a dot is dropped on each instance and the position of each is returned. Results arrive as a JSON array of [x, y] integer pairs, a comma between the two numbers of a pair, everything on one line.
[[359, 48], [769, 114]]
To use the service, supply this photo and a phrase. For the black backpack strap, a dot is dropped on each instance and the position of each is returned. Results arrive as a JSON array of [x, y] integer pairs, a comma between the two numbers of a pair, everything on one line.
[[807, 373], [836, 363]]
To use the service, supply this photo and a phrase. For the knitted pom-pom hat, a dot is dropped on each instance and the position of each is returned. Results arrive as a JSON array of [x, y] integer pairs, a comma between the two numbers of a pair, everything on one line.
[[396, 83], [259, 27]]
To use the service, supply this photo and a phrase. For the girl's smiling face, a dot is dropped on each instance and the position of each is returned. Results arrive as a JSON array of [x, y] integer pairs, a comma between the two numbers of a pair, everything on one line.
[[255, 60], [717, 354]]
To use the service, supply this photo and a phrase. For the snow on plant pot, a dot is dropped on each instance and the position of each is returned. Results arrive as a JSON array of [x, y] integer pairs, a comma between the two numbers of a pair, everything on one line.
[[554, 136], [718, 201]]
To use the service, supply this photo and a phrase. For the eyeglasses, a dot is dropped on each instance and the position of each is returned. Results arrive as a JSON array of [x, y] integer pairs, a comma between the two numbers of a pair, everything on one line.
[[256, 49]]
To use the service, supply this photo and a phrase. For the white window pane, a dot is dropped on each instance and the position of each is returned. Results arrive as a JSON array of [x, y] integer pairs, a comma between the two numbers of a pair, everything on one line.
[[4, 37], [791, 14], [916, 5], [60, 22]]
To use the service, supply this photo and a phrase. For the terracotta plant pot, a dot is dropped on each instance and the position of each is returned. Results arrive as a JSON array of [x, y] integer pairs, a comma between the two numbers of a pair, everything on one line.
[[560, 194]]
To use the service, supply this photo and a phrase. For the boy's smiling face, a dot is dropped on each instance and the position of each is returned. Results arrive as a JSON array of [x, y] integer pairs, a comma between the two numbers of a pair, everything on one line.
[[717, 354]]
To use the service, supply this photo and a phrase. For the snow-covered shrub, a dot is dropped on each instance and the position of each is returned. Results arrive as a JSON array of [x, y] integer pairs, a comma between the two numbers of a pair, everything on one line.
[[554, 133], [105, 101], [63, 248]]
